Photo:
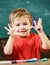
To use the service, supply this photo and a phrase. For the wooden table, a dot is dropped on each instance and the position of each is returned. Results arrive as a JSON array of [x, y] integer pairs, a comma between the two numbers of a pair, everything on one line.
[[30, 63]]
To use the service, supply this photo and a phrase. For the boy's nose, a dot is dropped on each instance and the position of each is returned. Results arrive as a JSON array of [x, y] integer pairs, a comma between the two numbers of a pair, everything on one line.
[[21, 26]]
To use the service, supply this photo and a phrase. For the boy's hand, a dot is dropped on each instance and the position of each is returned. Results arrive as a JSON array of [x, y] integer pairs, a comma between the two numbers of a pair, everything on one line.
[[38, 27], [11, 31]]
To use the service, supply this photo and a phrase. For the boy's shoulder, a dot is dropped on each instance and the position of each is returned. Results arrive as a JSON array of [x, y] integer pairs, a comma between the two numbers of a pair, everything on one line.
[[34, 34]]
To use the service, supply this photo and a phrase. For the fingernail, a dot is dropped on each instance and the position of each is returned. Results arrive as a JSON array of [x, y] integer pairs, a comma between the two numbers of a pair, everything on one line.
[[39, 17]]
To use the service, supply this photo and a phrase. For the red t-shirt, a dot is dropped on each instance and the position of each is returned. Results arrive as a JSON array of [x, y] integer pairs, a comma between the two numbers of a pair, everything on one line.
[[27, 47]]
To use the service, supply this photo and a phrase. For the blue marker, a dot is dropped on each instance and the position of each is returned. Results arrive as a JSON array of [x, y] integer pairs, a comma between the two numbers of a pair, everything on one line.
[[32, 60]]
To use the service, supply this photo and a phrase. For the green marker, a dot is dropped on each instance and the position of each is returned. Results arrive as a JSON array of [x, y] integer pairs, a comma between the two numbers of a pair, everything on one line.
[[44, 59]]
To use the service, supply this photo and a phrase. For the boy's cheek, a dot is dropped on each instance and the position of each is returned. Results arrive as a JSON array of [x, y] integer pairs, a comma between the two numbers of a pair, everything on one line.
[[27, 27]]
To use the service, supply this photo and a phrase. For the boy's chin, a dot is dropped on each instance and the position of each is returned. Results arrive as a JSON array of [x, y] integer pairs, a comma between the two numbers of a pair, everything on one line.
[[23, 35]]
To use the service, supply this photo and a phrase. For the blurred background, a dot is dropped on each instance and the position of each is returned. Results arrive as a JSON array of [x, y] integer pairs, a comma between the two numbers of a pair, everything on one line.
[[37, 8]]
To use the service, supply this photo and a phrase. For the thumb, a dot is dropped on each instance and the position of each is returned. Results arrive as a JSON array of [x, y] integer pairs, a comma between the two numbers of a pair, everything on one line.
[[32, 27]]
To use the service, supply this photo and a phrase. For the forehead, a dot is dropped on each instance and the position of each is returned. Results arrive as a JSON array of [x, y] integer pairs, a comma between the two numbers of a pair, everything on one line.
[[22, 18]]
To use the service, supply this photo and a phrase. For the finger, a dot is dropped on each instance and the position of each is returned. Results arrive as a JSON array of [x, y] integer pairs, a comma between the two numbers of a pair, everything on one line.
[[8, 33], [9, 26], [6, 28], [32, 27], [40, 21]]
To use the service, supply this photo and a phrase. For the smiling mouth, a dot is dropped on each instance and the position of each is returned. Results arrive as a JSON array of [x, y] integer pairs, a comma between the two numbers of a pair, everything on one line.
[[22, 30]]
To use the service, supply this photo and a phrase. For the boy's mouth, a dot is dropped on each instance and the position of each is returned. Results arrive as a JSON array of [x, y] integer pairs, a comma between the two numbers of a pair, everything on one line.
[[22, 30]]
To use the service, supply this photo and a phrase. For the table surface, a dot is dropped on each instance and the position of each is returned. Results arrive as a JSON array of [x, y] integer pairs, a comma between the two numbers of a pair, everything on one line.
[[31, 63]]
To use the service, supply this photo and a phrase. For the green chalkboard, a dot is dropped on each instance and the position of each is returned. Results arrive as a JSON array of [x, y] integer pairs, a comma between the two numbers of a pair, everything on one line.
[[37, 8]]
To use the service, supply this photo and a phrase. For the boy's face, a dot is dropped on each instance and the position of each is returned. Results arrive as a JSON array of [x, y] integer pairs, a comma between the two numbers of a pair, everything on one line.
[[22, 26]]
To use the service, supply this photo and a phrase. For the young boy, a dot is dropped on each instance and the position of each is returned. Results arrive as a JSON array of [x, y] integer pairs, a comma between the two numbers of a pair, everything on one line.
[[22, 44]]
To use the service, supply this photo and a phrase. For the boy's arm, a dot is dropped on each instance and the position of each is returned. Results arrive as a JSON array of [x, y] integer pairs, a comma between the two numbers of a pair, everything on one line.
[[8, 48], [9, 45], [45, 40]]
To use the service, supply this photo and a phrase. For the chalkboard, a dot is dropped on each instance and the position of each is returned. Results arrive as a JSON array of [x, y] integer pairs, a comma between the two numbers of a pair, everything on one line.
[[37, 8]]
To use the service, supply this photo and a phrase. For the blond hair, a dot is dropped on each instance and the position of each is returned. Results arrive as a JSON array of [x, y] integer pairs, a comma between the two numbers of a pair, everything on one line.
[[18, 13]]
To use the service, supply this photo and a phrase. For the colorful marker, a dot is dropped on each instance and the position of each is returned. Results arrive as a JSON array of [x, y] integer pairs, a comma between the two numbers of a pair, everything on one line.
[[34, 21], [44, 59]]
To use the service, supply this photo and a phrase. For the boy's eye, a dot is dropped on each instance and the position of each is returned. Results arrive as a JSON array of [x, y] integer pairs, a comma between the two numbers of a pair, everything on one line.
[[24, 23], [17, 24]]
